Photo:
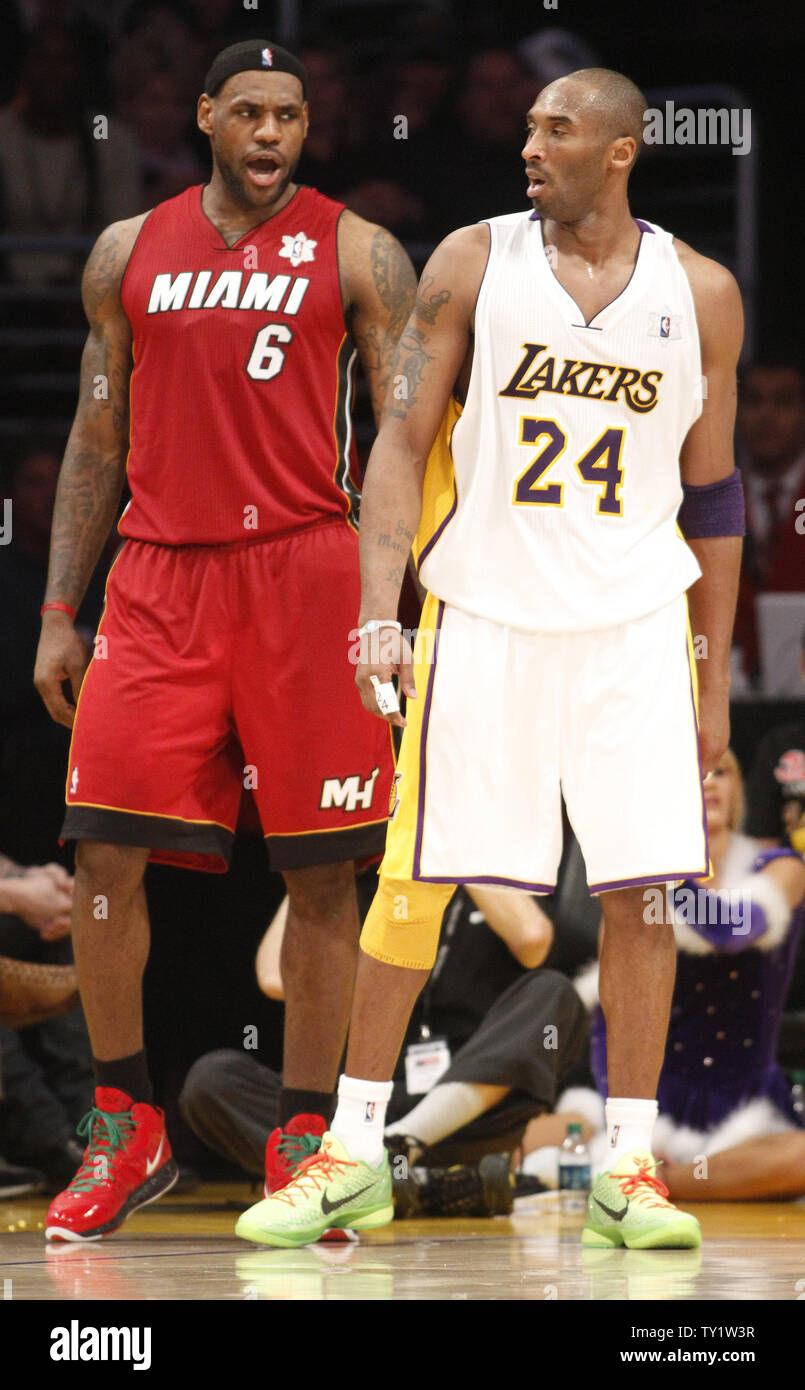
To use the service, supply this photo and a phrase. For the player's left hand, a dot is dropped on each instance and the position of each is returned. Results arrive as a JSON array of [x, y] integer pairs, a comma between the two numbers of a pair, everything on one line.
[[714, 726]]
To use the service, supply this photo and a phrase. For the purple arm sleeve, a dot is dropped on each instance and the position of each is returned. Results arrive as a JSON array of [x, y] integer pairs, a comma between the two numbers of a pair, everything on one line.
[[730, 925], [715, 509], [731, 921]]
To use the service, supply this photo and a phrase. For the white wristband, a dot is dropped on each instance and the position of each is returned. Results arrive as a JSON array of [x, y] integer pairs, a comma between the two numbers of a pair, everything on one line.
[[375, 623]]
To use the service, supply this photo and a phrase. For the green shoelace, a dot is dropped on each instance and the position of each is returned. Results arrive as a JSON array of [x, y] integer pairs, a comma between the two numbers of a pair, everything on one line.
[[297, 1147], [105, 1134]]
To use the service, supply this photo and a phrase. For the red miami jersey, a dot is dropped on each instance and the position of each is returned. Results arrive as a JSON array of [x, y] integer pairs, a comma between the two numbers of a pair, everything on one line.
[[243, 376]]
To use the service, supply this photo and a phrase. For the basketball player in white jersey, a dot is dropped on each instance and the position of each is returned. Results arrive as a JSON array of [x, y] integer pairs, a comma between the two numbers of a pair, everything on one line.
[[557, 448]]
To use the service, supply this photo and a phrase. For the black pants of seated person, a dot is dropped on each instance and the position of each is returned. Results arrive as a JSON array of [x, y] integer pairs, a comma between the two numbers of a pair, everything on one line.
[[528, 1040]]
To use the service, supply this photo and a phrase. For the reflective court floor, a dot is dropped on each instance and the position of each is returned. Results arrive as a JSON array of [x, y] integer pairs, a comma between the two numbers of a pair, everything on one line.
[[183, 1248]]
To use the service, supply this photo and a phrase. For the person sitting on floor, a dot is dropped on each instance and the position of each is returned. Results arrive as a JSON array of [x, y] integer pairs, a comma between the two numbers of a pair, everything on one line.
[[44, 1048], [490, 1038]]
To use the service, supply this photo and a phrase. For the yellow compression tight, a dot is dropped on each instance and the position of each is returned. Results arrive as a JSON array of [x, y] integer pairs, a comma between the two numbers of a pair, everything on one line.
[[402, 925]]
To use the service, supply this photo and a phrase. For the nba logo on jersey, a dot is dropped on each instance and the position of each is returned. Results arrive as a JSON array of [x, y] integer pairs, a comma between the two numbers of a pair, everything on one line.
[[298, 248], [267, 58], [74, 782], [665, 325]]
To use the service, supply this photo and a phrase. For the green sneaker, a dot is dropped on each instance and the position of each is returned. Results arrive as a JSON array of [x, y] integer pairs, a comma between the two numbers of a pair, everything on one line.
[[329, 1189], [629, 1206]]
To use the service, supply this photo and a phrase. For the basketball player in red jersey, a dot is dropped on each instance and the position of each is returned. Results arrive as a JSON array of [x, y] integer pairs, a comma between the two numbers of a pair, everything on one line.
[[224, 328]]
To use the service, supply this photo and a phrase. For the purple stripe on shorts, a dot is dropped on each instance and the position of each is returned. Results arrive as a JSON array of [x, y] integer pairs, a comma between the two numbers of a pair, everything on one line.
[[424, 553], [678, 874], [698, 753], [489, 878], [423, 744], [649, 878]]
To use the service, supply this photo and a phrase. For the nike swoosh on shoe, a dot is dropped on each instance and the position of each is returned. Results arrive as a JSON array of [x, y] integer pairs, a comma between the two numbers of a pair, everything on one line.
[[151, 1164], [616, 1215], [327, 1206]]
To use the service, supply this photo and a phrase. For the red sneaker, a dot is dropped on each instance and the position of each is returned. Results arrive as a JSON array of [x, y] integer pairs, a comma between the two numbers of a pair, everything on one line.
[[127, 1164], [287, 1148]]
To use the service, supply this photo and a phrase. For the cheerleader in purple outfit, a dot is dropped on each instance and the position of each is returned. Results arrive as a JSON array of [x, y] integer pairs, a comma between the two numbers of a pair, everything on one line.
[[722, 1095]]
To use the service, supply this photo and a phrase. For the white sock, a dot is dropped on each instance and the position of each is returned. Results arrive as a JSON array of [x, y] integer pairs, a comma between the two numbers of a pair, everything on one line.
[[543, 1164], [442, 1110], [360, 1116], [629, 1126]]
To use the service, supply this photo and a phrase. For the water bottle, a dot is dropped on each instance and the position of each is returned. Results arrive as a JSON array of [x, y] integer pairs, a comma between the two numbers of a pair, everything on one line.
[[574, 1171]]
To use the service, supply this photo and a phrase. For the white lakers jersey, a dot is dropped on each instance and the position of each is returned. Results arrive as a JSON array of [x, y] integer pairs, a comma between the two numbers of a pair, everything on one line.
[[555, 507]]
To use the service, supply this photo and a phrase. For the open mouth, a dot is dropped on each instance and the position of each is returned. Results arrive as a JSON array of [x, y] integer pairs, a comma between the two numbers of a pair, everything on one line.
[[535, 182], [263, 169]]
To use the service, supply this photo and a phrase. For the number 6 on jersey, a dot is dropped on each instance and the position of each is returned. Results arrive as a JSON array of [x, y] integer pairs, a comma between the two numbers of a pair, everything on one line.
[[265, 359]]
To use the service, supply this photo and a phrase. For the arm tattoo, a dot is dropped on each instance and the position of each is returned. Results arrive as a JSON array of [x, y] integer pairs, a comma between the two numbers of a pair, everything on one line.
[[401, 542], [91, 478], [409, 364], [395, 284], [394, 281], [428, 305], [370, 349], [389, 544], [102, 273], [411, 357]]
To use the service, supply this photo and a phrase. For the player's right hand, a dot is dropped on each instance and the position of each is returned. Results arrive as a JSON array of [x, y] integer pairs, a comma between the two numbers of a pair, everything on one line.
[[62, 656], [383, 654], [44, 904]]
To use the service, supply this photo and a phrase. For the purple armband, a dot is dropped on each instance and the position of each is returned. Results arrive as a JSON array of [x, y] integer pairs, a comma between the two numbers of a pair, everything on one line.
[[715, 509]]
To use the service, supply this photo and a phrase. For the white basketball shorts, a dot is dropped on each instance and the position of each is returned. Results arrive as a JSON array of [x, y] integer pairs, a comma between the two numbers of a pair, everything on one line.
[[508, 722]]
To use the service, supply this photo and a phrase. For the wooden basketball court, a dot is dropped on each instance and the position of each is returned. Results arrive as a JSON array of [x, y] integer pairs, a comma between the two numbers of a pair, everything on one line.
[[184, 1248]]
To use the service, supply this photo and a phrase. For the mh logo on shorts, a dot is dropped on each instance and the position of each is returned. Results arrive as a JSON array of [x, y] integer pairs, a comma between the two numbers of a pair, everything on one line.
[[347, 793]]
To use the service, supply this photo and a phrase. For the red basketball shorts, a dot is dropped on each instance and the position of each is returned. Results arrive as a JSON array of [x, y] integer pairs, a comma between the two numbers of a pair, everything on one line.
[[219, 668]]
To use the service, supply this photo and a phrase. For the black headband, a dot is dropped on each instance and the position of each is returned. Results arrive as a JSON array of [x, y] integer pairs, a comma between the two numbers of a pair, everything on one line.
[[256, 55]]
